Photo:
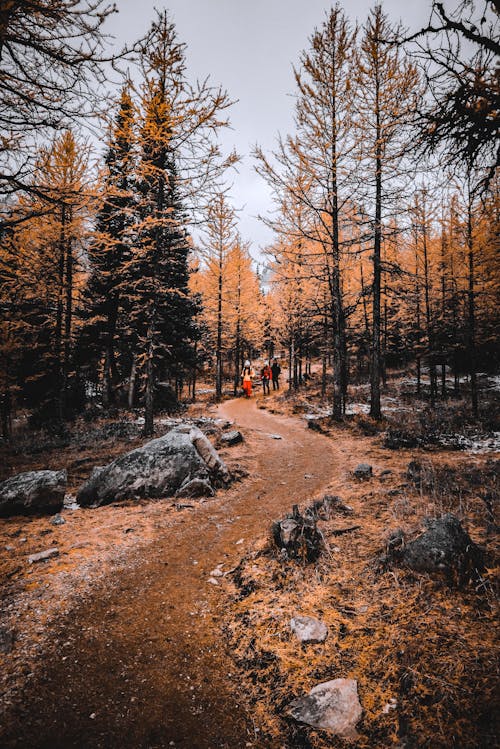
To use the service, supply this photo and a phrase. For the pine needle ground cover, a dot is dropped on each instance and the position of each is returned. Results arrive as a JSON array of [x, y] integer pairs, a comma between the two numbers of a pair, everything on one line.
[[423, 650]]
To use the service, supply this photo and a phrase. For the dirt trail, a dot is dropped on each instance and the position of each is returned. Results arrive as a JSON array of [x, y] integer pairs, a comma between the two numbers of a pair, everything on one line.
[[142, 663]]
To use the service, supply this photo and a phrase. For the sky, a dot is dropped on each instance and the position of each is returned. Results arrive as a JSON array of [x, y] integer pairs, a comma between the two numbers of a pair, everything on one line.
[[249, 48]]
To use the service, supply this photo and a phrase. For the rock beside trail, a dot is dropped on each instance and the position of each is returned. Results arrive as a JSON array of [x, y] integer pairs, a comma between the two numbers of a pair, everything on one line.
[[232, 438], [445, 547], [363, 471], [307, 629], [43, 556], [33, 492], [332, 706], [181, 462]]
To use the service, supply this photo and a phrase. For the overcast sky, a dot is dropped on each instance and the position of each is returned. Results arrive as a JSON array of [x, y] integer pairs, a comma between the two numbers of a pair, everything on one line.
[[249, 47]]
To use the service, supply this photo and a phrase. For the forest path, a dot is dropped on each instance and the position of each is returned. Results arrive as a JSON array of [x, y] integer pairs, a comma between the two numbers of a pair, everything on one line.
[[142, 662]]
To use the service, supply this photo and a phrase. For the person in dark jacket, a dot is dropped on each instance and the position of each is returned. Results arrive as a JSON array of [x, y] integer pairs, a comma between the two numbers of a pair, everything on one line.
[[276, 371]]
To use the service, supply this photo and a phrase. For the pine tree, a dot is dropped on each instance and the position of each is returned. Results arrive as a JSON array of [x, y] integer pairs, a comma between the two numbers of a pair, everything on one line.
[[109, 251]]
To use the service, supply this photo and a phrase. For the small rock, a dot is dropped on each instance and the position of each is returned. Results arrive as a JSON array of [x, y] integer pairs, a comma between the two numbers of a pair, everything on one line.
[[363, 471], [217, 572], [308, 475], [9, 547], [332, 706], [239, 542], [232, 438], [391, 705], [213, 581], [308, 629], [387, 472], [276, 436], [58, 519], [42, 556]]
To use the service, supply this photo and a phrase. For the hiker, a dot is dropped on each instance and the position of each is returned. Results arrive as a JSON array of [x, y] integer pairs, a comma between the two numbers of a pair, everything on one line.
[[246, 379], [266, 375], [275, 374]]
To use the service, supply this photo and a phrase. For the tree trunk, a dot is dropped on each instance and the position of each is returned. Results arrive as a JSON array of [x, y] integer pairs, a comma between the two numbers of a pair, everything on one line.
[[149, 384], [375, 411], [428, 309], [131, 383], [218, 354], [471, 308]]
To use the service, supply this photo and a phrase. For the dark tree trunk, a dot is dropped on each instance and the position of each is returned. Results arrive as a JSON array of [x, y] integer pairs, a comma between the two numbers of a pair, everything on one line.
[[375, 411], [471, 333], [150, 383]]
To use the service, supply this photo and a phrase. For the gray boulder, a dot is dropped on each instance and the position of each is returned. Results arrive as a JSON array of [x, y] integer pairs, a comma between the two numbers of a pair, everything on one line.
[[445, 547], [307, 629], [33, 492], [159, 468], [332, 706]]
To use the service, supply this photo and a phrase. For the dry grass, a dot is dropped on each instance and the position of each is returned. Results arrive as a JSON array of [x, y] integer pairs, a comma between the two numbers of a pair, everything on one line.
[[424, 654]]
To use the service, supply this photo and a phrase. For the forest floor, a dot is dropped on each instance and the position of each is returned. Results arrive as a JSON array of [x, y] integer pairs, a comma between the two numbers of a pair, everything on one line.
[[128, 639]]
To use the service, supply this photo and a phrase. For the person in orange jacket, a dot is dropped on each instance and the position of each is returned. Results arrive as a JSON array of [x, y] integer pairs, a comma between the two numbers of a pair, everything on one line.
[[247, 377]]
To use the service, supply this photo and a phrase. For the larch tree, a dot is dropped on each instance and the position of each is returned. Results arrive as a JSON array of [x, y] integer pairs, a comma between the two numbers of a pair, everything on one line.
[[53, 61], [460, 120], [219, 239], [42, 261], [386, 97], [314, 166]]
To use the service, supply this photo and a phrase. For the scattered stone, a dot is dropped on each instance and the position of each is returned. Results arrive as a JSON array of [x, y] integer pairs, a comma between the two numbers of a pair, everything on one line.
[[58, 519], [298, 537], [217, 572], [33, 492], [239, 542], [213, 581], [332, 706], [160, 468], [445, 547], [391, 705], [276, 436], [308, 629], [323, 509], [308, 475], [70, 502], [232, 438], [363, 471], [42, 556]]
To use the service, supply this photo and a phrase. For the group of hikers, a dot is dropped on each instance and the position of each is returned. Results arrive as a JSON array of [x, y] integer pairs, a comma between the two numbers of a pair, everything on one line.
[[269, 373]]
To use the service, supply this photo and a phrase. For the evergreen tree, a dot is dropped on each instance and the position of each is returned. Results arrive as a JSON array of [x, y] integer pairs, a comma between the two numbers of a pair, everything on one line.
[[109, 251]]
